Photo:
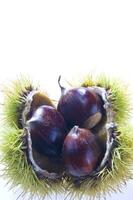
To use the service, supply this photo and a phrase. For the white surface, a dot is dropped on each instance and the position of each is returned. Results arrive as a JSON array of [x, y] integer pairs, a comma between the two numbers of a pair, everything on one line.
[[47, 38]]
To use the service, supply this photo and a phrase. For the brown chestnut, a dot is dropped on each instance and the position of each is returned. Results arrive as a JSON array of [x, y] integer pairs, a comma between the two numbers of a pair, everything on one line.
[[38, 99], [48, 130], [80, 106], [81, 152]]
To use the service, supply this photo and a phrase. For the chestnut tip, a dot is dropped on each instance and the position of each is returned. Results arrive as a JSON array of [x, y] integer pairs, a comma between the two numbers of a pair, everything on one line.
[[74, 130], [63, 89]]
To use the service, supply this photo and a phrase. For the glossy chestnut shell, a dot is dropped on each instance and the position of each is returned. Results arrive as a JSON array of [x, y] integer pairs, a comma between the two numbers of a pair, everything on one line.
[[48, 130], [81, 152], [79, 105]]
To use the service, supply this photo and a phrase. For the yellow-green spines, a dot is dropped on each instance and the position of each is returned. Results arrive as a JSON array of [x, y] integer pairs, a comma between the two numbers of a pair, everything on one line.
[[110, 180], [16, 167], [17, 170], [120, 96], [13, 100]]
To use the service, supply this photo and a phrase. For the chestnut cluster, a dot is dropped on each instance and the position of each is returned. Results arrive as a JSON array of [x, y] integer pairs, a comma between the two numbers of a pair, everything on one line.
[[68, 132]]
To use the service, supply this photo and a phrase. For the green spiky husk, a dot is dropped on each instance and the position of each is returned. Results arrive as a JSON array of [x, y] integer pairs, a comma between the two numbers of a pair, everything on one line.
[[109, 180], [120, 96], [14, 98], [16, 168], [120, 171], [19, 172]]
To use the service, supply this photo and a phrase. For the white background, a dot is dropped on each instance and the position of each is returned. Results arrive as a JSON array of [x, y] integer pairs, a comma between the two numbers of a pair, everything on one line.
[[47, 38]]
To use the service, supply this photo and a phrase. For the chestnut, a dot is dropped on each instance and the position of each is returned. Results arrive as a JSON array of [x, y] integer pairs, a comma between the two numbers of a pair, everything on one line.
[[81, 152], [48, 130], [39, 99], [80, 106]]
